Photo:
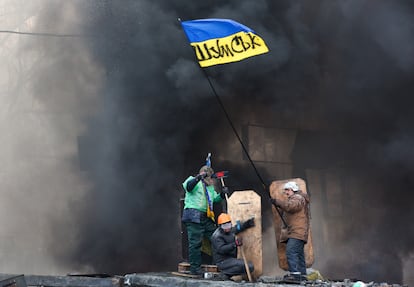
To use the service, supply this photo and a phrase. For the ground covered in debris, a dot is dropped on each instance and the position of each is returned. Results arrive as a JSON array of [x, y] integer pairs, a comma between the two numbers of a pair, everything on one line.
[[165, 279], [169, 279]]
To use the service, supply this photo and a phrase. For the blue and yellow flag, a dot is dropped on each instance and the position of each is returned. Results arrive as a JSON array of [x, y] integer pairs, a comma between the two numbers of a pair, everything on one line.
[[221, 41]]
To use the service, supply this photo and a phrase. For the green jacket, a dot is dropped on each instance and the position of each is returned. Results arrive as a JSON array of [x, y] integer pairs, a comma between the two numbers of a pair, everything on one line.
[[196, 198]]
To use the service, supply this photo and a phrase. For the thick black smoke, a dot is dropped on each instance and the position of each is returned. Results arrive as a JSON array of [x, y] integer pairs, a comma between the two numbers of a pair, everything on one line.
[[338, 72]]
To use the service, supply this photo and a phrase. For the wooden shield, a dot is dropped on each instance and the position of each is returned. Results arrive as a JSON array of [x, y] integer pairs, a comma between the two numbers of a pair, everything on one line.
[[243, 205], [276, 191]]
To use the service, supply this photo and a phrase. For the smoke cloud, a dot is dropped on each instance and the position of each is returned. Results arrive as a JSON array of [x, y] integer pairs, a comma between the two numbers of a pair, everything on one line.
[[104, 125]]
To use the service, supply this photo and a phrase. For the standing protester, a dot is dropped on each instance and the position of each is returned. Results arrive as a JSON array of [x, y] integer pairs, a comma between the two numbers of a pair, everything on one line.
[[225, 243], [296, 215], [198, 215]]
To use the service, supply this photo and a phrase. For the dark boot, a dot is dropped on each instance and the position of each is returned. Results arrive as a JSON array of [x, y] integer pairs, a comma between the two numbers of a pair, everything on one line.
[[223, 277], [197, 273]]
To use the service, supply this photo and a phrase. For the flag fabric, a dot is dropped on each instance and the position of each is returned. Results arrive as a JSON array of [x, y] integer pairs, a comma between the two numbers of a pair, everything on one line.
[[210, 211], [221, 41], [208, 160]]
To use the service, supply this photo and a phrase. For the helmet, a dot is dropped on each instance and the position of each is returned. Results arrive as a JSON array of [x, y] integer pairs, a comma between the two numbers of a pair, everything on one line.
[[207, 170], [291, 185], [223, 218]]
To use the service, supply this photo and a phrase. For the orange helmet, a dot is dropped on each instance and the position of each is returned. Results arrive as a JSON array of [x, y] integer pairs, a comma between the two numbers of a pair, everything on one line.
[[223, 218]]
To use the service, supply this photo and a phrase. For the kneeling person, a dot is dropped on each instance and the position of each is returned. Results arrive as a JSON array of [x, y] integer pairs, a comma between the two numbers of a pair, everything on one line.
[[225, 243]]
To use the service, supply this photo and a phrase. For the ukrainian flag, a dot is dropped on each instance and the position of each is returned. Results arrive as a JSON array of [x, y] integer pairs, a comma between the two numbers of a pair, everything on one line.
[[221, 41]]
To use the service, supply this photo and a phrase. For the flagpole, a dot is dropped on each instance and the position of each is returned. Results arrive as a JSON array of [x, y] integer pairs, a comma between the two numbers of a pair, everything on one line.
[[229, 119], [241, 143], [233, 128]]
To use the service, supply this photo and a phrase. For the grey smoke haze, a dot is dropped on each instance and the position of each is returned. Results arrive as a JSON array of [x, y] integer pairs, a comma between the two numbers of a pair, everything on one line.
[[127, 114], [47, 86]]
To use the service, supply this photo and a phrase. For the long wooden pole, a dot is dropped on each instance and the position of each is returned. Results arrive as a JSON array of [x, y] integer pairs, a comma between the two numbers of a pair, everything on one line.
[[246, 266]]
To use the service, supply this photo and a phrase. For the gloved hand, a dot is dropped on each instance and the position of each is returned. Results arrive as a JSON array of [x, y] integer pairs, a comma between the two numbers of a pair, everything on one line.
[[249, 223], [238, 241], [224, 191], [201, 175], [274, 202]]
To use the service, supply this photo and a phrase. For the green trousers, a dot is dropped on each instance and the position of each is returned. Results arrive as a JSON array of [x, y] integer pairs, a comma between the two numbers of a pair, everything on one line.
[[196, 232]]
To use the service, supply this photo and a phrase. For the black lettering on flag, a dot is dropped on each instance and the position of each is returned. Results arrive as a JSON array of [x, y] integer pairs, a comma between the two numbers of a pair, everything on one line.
[[236, 45], [207, 51], [215, 50], [199, 53], [252, 38], [225, 50], [236, 42]]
